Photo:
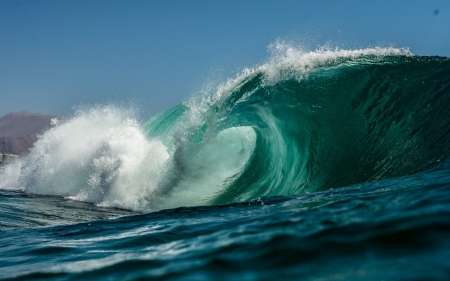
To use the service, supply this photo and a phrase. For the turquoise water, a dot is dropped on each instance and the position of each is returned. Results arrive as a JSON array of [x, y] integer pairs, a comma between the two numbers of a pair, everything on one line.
[[324, 165]]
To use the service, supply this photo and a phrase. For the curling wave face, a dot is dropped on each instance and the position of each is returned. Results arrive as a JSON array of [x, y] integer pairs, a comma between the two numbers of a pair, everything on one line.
[[302, 122]]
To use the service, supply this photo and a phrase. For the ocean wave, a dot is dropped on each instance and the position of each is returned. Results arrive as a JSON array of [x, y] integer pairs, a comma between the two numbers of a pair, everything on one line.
[[302, 122]]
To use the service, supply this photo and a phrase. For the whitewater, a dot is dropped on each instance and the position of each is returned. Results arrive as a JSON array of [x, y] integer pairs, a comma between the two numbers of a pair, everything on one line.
[[318, 165]]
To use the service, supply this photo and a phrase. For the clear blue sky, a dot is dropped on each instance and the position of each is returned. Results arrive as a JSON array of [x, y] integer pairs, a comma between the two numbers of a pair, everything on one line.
[[58, 54]]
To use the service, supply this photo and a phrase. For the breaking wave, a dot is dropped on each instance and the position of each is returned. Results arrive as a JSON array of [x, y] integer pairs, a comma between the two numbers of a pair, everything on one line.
[[302, 122]]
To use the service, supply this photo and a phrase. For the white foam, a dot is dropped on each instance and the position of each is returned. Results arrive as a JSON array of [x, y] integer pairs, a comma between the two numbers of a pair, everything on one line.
[[101, 155], [287, 61]]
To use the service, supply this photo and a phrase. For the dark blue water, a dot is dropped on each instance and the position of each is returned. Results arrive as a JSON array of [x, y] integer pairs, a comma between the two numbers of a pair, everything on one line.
[[394, 229], [328, 165]]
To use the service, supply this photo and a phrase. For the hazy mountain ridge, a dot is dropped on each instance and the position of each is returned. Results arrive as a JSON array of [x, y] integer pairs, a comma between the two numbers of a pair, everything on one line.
[[19, 130]]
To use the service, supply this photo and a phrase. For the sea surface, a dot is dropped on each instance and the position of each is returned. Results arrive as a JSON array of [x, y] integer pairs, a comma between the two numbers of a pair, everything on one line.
[[315, 165]]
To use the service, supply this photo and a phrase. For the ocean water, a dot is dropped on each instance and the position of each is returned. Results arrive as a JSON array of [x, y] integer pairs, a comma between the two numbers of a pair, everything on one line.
[[316, 165]]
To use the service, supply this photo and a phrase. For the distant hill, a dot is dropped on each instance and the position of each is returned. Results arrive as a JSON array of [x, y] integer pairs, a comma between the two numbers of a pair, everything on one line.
[[19, 130]]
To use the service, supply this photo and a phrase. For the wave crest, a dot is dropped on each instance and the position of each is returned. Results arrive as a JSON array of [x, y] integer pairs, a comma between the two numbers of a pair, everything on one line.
[[302, 122]]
